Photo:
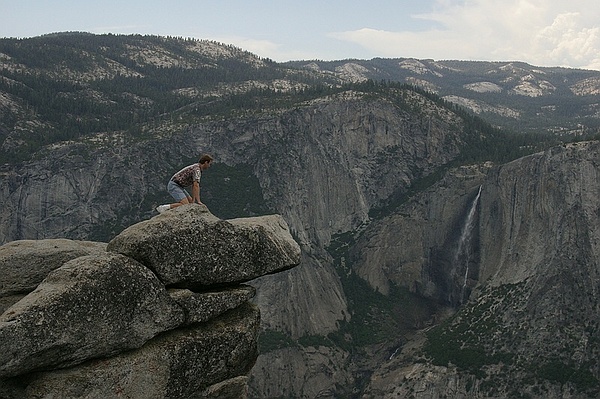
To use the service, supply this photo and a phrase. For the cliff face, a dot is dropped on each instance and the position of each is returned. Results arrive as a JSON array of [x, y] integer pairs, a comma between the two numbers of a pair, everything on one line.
[[540, 224], [327, 163], [116, 322], [531, 323], [419, 246], [321, 166], [542, 211]]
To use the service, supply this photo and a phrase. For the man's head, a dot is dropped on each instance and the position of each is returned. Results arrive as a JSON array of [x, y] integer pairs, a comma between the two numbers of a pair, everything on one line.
[[205, 161]]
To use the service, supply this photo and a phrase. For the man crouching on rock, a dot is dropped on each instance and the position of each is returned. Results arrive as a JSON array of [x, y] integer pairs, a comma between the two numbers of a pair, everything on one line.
[[188, 176]]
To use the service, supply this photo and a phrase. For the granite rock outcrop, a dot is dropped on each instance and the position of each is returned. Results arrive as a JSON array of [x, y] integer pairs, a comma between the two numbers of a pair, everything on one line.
[[107, 324], [25, 263]]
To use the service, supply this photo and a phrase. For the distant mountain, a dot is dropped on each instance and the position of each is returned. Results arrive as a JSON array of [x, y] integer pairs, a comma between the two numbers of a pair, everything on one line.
[[68, 86], [65, 86], [514, 95]]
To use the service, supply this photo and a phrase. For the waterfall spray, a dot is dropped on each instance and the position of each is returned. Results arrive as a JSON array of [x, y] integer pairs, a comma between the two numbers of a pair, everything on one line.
[[464, 243]]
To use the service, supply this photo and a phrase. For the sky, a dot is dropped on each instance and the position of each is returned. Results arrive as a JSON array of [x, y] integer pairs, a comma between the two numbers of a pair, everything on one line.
[[540, 32]]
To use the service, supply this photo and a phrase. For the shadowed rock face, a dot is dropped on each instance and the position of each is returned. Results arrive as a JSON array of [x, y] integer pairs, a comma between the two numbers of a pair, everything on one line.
[[106, 325], [178, 364]]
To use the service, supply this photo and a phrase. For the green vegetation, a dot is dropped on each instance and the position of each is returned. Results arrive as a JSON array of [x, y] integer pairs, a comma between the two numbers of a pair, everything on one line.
[[482, 141], [558, 107], [401, 196], [464, 339], [446, 347], [375, 317], [558, 371], [314, 341], [271, 340], [229, 192], [56, 86], [233, 192], [475, 339], [54, 81]]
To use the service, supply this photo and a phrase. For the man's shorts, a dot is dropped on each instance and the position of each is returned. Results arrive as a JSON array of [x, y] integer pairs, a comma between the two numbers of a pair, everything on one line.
[[177, 191]]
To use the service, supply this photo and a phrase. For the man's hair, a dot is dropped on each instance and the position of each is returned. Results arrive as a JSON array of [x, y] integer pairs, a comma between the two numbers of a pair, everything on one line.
[[205, 158]]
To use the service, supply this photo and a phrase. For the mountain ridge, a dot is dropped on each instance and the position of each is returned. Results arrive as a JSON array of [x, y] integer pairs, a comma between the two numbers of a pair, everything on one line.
[[491, 89], [64, 85]]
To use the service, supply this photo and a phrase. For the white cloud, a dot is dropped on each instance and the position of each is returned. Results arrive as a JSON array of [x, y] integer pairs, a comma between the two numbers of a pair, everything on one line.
[[541, 32], [265, 48], [567, 41]]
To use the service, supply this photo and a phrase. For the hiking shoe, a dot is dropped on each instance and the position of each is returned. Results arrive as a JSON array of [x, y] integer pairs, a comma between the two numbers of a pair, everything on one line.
[[162, 208]]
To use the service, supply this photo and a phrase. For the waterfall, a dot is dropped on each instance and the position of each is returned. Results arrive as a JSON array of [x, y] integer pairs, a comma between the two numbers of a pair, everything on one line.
[[464, 249]]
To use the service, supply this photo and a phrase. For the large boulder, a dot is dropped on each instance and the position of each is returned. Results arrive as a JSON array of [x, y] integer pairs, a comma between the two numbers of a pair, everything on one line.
[[189, 247], [191, 362], [25, 263], [92, 306]]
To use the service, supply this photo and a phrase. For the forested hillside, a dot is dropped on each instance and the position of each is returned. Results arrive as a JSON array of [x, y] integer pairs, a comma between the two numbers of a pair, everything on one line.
[[514, 95], [74, 85]]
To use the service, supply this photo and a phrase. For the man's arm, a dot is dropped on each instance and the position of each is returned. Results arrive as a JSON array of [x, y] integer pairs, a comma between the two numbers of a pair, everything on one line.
[[196, 192]]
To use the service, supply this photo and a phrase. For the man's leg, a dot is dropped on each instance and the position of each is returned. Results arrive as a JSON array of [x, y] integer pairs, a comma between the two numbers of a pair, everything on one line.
[[178, 193]]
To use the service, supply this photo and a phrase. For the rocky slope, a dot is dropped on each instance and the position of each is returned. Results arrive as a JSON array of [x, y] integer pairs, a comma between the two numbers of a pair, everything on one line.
[[511, 94], [531, 327], [118, 323]]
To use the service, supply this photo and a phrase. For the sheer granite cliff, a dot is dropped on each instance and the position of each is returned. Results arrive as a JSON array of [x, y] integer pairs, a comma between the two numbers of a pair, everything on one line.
[[416, 247], [530, 327]]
